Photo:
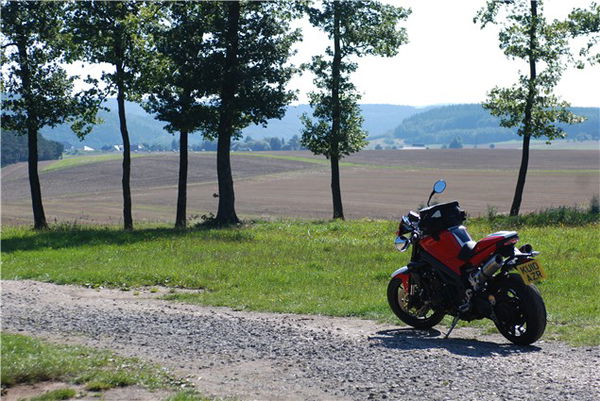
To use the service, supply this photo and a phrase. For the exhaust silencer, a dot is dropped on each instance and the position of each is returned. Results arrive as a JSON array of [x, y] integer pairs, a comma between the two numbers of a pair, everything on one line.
[[486, 271]]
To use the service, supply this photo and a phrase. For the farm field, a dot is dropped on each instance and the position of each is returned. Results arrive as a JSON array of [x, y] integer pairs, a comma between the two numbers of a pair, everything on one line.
[[375, 184]]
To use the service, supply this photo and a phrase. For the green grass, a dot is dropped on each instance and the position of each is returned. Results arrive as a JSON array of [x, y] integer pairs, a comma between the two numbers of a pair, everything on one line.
[[313, 160], [75, 161], [558, 216], [315, 267], [187, 396], [28, 360], [60, 394]]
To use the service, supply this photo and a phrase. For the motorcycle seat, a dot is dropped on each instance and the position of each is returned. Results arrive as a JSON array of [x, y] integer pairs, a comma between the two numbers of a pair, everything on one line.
[[494, 240]]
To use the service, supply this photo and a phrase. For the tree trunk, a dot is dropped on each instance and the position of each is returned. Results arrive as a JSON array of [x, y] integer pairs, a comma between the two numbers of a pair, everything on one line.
[[338, 209], [516, 205], [180, 220], [127, 219], [338, 212], [39, 217], [226, 213]]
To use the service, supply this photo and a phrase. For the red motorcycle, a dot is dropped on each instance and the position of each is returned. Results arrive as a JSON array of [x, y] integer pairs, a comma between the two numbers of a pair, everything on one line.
[[449, 273]]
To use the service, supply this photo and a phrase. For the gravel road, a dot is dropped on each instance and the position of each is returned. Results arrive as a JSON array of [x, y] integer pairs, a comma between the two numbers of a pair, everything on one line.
[[260, 356]]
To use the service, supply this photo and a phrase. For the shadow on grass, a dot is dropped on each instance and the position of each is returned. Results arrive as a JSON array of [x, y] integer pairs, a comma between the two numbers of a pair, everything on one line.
[[408, 338], [59, 238]]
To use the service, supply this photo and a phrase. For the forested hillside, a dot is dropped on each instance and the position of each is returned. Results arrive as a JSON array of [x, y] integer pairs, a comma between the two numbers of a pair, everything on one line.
[[143, 128], [474, 125], [14, 148]]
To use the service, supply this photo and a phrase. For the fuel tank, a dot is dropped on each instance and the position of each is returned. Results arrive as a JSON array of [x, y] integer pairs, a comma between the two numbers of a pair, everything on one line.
[[446, 246]]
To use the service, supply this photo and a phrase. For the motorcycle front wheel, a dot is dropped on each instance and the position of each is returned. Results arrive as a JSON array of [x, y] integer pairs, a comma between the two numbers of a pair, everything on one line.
[[520, 313], [411, 308]]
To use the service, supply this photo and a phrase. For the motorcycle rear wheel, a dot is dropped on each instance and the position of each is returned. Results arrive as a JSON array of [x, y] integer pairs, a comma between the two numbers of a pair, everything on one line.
[[419, 317], [520, 310]]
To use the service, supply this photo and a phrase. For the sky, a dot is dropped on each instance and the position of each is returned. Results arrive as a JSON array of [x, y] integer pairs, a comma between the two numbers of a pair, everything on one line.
[[448, 59]]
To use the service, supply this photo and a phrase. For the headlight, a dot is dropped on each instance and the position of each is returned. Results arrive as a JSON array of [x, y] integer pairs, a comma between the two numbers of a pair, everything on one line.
[[404, 228]]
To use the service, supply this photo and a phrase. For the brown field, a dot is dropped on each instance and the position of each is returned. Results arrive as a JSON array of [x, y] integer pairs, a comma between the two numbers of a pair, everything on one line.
[[380, 184]]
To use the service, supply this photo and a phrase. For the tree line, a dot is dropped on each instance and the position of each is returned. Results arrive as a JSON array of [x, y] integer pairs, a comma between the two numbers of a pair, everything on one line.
[[217, 67]]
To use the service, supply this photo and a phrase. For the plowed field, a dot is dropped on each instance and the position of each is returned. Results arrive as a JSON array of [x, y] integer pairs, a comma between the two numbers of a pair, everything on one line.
[[375, 184]]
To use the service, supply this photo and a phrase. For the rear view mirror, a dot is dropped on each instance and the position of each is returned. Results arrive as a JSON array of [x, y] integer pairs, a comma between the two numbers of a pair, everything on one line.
[[439, 186], [401, 243]]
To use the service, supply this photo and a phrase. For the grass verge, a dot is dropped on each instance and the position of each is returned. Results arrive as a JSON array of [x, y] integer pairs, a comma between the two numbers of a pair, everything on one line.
[[28, 360], [314, 267], [552, 217]]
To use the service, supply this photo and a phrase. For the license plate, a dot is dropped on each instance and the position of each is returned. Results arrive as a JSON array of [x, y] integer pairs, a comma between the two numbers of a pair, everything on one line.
[[531, 272]]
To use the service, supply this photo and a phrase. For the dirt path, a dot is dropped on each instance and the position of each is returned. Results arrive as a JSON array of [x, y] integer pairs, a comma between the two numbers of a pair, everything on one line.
[[260, 356]]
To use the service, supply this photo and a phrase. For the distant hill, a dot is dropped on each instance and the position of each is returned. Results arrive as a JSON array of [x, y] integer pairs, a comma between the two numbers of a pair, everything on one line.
[[474, 125], [431, 125], [143, 128], [15, 148], [379, 120]]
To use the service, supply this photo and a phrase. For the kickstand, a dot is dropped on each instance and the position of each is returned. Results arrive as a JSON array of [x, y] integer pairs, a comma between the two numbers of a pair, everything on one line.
[[454, 322]]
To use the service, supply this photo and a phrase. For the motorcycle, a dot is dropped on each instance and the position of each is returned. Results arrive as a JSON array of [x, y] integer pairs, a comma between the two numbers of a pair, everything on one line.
[[449, 273]]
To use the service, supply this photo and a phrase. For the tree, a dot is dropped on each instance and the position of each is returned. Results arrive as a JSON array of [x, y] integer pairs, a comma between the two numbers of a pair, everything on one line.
[[293, 143], [456, 143], [36, 88], [275, 143], [530, 104], [357, 28], [179, 88], [111, 32], [251, 43]]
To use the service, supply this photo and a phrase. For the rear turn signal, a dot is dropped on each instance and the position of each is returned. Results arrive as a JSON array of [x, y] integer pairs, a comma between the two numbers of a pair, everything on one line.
[[527, 248]]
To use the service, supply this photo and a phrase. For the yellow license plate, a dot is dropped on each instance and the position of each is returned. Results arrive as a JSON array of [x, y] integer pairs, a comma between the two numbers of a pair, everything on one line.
[[531, 272]]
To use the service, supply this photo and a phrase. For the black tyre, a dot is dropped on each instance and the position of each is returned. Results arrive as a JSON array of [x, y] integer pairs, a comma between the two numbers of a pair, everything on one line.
[[519, 309], [411, 308]]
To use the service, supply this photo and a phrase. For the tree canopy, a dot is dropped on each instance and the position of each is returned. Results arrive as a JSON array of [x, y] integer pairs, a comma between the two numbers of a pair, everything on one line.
[[364, 28], [529, 36], [585, 23], [36, 90]]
